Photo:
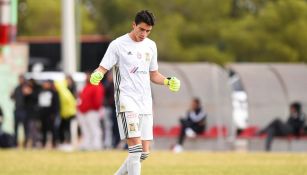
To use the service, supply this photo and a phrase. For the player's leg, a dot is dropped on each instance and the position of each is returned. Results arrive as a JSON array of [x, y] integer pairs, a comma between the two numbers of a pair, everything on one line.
[[128, 124], [182, 135], [135, 151], [146, 149], [95, 130], [85, 142], [146, 125]]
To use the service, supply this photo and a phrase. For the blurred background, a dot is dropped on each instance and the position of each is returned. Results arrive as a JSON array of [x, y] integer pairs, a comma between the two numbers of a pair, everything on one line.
[[244, 59]]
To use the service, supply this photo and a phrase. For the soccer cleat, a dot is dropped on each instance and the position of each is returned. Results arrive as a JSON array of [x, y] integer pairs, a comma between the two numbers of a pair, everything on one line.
[[177, 149], [190, 133]]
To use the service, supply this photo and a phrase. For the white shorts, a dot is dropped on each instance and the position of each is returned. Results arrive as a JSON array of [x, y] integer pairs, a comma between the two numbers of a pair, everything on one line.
[[131, 124]]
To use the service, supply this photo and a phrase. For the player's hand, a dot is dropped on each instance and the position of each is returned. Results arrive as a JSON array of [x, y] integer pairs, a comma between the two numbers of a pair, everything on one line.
[[173, 83], [96, 77]]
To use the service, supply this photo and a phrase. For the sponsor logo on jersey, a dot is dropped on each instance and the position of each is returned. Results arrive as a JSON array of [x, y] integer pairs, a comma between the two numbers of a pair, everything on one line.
[[135, 70], [131, 115]]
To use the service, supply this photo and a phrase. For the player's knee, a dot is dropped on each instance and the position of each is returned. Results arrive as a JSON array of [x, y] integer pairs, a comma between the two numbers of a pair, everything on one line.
[[144, 156], [135, 149], [134, 141]]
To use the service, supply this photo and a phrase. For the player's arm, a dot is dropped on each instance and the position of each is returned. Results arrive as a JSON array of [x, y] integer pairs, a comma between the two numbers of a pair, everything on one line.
[[157, 78], [109, 59], [171, 82], [97, 75]]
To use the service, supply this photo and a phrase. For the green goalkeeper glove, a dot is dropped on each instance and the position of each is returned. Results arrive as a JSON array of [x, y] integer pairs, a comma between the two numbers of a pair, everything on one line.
[[173, 83], [96, 77]]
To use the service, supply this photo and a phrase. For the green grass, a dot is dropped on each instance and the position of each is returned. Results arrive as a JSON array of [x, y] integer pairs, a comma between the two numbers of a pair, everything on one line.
[[26, 162]]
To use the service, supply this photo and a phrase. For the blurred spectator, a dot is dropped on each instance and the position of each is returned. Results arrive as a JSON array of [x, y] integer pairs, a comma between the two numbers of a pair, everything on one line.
[[20, 113], [30, 90], [6, 140], [35, 86], [112, 138], [71, 85], [293, 126], [193, 124], [74, 127], [67, 111], [1, 117], [48, 102], [91, 100]]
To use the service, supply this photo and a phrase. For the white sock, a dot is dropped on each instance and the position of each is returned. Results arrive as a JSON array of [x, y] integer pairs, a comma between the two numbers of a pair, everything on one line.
[[144, 156], [130, 164], [134, 164], [123, 169]]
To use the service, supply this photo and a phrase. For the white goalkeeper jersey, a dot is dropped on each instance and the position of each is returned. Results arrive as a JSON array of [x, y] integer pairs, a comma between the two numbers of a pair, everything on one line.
[[131, 62]]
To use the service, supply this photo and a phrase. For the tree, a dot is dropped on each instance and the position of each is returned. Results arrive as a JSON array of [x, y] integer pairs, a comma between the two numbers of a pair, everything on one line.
[[43, 18], [200, 30], [274, 34]]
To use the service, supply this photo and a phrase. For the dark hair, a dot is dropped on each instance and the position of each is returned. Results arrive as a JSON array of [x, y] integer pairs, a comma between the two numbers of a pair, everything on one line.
[[146, 17], [197, 101], [297, 106]]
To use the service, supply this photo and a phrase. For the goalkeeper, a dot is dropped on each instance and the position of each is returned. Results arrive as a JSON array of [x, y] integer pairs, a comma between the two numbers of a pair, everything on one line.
[[133, 58]]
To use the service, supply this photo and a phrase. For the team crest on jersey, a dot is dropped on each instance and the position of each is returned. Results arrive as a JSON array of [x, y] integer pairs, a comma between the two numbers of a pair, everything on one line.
[[139, 55], [132, 127], [122, 108], [147, 56]]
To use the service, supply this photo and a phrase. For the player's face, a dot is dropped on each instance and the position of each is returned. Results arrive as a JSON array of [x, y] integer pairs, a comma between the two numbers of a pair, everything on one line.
[[194, 105], [141, 31]]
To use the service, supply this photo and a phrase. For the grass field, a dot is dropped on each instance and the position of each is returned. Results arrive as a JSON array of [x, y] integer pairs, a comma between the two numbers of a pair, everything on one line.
[[21, 162]]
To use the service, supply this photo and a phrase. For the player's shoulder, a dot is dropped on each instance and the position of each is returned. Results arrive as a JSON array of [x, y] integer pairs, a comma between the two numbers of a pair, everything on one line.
[[123, 38], [150, 42], [119, 40]]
